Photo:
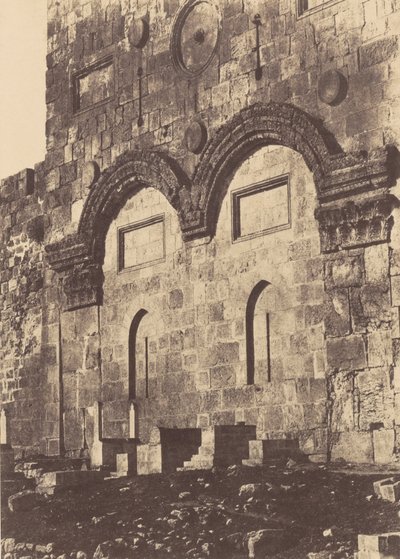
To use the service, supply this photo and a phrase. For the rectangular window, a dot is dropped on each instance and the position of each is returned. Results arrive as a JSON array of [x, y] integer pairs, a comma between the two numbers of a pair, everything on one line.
[[94, 84], [141, 244], [261, 208], [305, 7]]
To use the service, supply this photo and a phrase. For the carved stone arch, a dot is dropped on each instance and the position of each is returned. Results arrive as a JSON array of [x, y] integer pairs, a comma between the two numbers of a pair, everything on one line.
[[336, 174], [131, 172], [79, 257]]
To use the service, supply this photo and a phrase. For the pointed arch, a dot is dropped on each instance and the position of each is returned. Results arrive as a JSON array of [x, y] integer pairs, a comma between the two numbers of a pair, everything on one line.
[[250, 310], [133, 330]]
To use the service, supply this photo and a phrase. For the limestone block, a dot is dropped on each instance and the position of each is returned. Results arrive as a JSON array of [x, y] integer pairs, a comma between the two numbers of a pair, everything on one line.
[[353, 446], [378, 51], [149, 459], [273, 418], [395, 289], [294, 417], [383, 442], [371, 301], [73, 429], [345, 271], [52, 482], [379, 545], [203, 421], [337, 313], [73, 355], [86, 321], [299, 250], [76, 211], [176, 299], [126, 464], [379, 348], [256, 450], [238, 397], [376, 260], [396, 379], [346, 353], [319, 364], [390, 491], [395, 318], [222, 376]]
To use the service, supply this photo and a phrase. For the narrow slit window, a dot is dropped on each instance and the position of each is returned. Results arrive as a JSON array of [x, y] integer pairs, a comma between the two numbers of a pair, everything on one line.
[[146, 364], [258, 335], [268, 346], [133, 357]]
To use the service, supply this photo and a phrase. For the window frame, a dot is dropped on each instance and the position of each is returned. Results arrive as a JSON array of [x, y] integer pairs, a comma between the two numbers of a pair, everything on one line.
[[86, 71], [121, 231], [261, 186], [304, 12]]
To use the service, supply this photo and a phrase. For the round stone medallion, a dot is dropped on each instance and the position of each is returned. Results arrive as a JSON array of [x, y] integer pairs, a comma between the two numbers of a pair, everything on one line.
[[138, 33], [332, 87], [195, 36], [195, 137]]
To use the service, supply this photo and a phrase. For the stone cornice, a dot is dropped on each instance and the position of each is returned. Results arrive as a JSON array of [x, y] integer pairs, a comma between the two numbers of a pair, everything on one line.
[[356, 223]]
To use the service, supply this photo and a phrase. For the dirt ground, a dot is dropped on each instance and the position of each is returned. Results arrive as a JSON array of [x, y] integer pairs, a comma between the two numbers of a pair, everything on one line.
[[202, 514]]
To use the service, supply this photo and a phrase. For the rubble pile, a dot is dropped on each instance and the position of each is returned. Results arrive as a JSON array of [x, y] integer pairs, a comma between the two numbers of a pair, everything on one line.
[[235, 513]]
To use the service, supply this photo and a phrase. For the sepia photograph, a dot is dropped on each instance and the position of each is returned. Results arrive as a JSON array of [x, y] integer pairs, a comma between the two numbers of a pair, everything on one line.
[[200, 279]]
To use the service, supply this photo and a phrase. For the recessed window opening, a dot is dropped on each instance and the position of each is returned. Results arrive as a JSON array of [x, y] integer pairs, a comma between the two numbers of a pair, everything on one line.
[[258, 335], [133, 361]]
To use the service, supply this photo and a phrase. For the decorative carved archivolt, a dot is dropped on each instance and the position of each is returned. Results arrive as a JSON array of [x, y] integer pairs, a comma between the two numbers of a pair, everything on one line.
[[197, 200]]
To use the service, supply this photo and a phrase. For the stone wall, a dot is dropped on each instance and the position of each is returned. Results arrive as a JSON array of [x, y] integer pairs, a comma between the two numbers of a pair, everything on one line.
[[21, 306], [196, 323], [332, 292], [359, 39]]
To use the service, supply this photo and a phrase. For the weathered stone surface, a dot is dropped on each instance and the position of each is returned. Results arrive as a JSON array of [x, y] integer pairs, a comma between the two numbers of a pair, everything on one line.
[[353, 447], [203, 284], [383, 442], [261, 541], [23, 501], [345, 271], [337, 313], [346, 353], [250, 490], [378, 51]]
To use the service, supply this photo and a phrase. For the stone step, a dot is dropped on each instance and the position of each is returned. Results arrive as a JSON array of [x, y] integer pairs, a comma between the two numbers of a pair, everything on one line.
[[252, 462], [199, 463], [52, 482], [274, 449]]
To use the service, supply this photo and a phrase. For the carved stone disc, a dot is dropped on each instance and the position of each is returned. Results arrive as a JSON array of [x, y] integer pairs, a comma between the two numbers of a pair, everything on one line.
[[195, 36], [138, 33], [195, 137], [332, 87]]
